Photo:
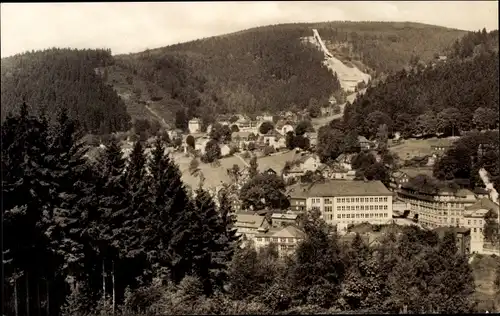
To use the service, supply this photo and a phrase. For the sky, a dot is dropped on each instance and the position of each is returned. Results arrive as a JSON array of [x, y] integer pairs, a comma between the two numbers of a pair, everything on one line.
[[133, 27]]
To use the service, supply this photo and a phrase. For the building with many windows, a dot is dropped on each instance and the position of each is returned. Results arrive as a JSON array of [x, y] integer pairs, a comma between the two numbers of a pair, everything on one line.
[[443, 207], [347, 202]]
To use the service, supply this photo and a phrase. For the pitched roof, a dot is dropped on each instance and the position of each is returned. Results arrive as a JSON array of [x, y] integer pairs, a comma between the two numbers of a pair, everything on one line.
[[285, 232], [249, 220], [284, 216], [331, 188], [484, 204], [413, 172]]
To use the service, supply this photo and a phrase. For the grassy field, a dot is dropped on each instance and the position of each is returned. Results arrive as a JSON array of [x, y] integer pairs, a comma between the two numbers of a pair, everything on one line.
[[483, 268], [215, 176], [418, 147]]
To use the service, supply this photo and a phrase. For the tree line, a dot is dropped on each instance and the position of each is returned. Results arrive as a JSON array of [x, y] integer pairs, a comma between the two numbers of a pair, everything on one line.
[[55, 78]]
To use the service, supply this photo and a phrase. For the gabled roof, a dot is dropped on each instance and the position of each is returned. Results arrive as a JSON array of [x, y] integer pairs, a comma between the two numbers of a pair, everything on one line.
[[484, 204], [285, 232], [249, 220]]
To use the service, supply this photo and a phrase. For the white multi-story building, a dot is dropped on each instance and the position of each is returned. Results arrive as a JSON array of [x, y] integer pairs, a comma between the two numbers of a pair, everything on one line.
[[347, 202], [285, 238], [443, 207], [473, 219]]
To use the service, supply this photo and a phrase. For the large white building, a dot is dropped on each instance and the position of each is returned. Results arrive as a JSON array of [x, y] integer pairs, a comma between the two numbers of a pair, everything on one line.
[[343, 202]]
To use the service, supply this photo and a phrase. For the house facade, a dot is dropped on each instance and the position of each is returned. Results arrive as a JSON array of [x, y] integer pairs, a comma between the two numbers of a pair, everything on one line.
[[473, 219], [285, 238], [283, 219]]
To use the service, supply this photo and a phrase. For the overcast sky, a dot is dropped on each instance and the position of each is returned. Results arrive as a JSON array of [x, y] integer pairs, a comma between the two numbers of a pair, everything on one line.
[[133, 27]]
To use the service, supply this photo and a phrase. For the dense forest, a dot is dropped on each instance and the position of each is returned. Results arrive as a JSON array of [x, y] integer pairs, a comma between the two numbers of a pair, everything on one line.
[[458, 95], [57, 78]]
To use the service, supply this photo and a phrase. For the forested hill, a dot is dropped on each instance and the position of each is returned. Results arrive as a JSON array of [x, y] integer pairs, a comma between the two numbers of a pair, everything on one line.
[[57, 78], [268, 68], [459, 94], [261, 69]]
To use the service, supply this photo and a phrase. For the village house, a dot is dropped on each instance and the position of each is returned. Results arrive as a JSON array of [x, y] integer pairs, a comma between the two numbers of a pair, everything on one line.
[[364, 143], [345, 161], [264, 118], [285, 129], [247, 224], [283, 219], [313, 138], [194, 125], [347, 202], [441, 146], [473, 219], [240, 138], [336, 172], [285, 238], [297, 200], [272, 138], [404, 175]]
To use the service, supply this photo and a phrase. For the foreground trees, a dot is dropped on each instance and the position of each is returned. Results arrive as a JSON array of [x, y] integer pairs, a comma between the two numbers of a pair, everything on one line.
[[100, 228]]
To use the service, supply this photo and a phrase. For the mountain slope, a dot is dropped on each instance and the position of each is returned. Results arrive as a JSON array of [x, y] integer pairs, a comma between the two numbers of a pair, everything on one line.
[[444, 97], [57, 78]]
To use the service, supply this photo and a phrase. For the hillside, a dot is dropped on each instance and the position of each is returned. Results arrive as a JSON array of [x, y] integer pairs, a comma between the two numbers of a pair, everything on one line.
[[261, 69], [268, 68], [57, 78], [450, 97]]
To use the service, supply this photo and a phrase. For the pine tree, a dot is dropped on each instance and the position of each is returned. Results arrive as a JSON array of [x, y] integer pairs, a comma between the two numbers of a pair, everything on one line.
[[171, 204], [112, 207]]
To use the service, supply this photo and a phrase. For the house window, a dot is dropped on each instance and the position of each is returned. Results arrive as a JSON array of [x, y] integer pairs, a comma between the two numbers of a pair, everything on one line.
[[362, 207], [362, 200], [376, 207], [349, 216], [385, 207], [338, 208], [357, 215], [343, 208], [385, 199], [328, 201], [259, 239], [338, 215], [371, 207], [474, 222], [376, 200], [475, 230], [343, 215], [357, 207], [357, 200], [348, 208], [328, 209]]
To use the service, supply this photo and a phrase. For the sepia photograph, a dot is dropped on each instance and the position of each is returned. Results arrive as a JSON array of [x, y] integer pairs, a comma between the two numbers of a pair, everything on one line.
[[250, 158]]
